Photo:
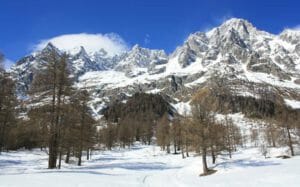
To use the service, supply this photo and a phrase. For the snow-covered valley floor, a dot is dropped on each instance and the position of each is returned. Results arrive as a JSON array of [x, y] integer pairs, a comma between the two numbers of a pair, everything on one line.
[[148, 166]]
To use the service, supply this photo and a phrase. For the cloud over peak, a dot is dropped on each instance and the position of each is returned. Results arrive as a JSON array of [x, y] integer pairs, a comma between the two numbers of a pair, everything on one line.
[[112, 43]]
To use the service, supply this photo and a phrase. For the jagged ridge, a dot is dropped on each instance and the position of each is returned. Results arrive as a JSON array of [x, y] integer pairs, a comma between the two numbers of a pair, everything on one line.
[[247, 57]]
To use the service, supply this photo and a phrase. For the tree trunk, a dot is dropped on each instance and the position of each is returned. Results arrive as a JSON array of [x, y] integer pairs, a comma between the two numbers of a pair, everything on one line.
[[168, 149], [4, 129], [53, 136], [2, 134], [59, 159], [187, 150], [290, 141], [79, 157], [213, 155], [67, 157], [273, 141], [229, 141], [81, 136], [204, 162], [230, 155], [88, 154], [80, 146], [273, 137], [137, 135], [230, 150], [182, 152], [52, 151], [175, 150], [58, 126], [214, 158]]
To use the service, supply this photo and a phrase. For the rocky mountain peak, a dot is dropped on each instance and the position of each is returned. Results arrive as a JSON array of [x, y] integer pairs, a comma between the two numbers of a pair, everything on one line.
[[290, 35], [136, 47], [80, 53], [101, 53], [139, 57], [238, 24], [235, 50], [50, 48], [241, 27]]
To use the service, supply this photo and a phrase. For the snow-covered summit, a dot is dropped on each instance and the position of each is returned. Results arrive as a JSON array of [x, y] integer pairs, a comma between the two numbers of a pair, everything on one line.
[[139, 57], [290, 35], [236, 50]]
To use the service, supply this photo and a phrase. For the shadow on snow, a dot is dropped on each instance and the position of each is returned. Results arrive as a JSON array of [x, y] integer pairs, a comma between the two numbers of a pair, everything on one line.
[[246, 163]]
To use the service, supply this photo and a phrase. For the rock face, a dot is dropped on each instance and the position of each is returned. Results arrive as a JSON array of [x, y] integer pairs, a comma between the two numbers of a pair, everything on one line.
[[235, 50], [140, 57]]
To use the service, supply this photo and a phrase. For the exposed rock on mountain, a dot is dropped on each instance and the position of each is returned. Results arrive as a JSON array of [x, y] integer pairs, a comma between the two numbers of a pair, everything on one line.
[[237, 51]]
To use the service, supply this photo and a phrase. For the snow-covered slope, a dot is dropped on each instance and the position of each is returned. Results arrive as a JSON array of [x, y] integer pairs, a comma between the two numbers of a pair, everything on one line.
[[236, 50], [148, 166], [139, 60]]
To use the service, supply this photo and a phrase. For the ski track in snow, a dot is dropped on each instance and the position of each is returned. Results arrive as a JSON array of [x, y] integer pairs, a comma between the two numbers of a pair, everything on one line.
[[148, 166]]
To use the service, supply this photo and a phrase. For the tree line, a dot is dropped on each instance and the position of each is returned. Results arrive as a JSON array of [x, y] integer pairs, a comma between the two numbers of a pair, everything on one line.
[[134, 120], [56, 118]]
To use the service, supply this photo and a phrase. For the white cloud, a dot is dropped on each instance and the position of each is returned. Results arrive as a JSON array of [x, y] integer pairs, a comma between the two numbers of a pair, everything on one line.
[[112, 43], [8, 63]]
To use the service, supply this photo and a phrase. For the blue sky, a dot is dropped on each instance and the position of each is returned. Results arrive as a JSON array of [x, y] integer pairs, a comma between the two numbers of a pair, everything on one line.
[[162, 24]]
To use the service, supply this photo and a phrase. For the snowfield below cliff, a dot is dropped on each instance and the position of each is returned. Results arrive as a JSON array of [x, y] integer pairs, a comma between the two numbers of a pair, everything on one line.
[[148, 166]]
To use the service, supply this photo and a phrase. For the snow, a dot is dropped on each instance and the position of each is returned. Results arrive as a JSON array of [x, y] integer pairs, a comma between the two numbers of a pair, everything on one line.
[[112, 43], [154, 91], [109, 79], [247, 94], [148, 166], [196, 82], [102, 71], [183, 108], [267, 78], [294, 104], [173, 67], [279, 42]]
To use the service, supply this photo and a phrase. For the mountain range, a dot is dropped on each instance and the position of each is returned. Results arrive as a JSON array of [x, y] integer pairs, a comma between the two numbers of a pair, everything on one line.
[[246, 57]]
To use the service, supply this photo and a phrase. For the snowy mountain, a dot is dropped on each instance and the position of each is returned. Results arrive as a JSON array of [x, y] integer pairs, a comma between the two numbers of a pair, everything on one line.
[[236, 50]]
